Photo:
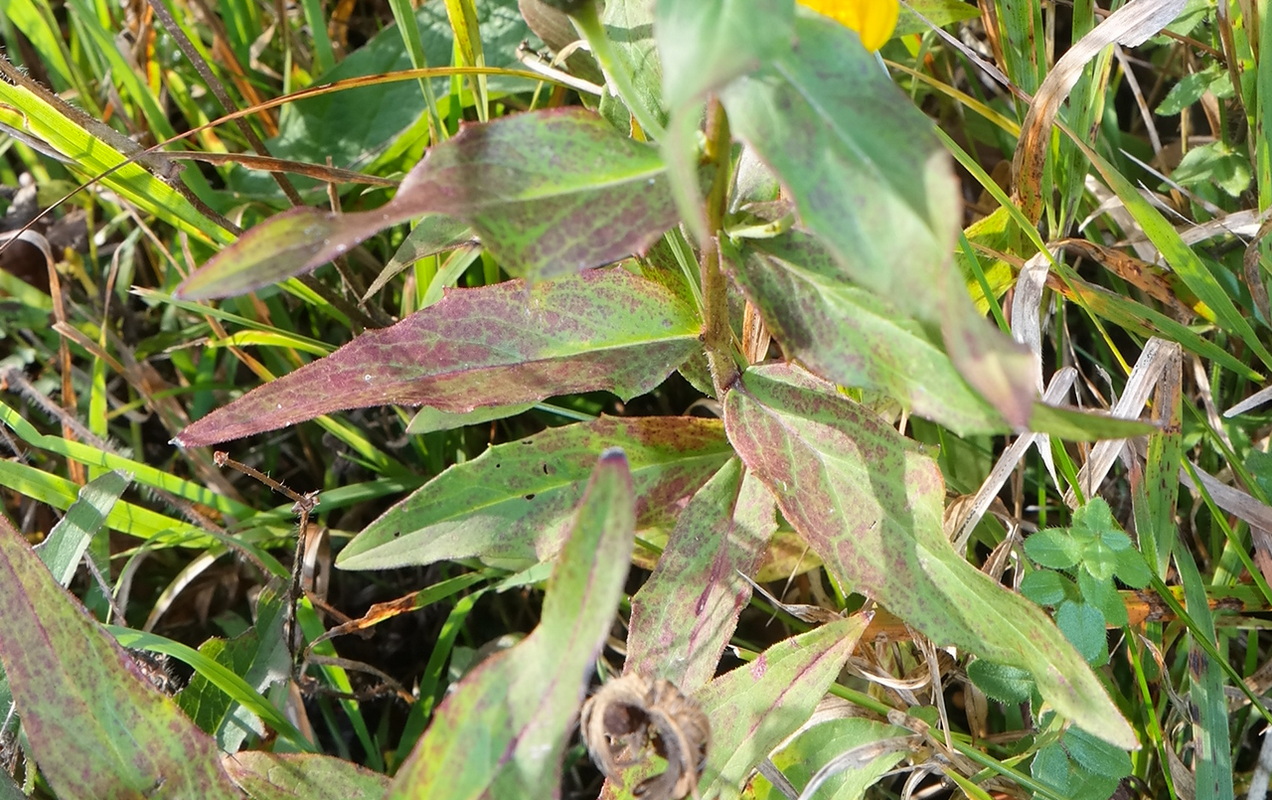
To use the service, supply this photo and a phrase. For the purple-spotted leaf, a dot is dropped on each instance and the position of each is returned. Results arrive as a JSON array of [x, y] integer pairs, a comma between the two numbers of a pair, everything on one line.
[[757, 705], [294, 242], [869, 177], [869, 503], [853, 337], [503, 730], [96, 726], [754, 707], [512, 504], [494, 345], [302, 776], [684, 615], [548, 193]]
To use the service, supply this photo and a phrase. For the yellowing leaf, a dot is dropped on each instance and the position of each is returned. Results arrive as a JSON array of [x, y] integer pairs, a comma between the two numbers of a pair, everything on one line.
[[873, 20]]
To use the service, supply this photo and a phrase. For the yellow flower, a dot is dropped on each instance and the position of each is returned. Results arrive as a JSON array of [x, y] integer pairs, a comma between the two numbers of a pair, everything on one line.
[[873, 20]]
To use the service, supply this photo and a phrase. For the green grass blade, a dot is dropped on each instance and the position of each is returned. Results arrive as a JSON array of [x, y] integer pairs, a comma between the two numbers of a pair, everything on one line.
[[1213, 748]]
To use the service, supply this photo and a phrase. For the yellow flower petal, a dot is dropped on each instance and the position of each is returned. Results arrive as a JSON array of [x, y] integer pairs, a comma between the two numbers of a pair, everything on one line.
[[873, 20]]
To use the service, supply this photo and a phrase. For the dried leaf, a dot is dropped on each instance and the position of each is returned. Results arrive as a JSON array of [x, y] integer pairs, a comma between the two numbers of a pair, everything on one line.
[[630, 719], [1131, 25]]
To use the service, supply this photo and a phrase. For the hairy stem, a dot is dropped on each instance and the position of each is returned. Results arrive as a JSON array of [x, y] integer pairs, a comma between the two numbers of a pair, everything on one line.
[[717, 336]]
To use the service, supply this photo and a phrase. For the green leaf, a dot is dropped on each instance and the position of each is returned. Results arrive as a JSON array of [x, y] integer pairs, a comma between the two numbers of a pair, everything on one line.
[[870, 178], [686, 612], [434, 234], [869, 502], [1084, 626], [374, 123], [1084, 426], [303, 776], [1095, 516], [853, 337], [1103, 595], [1095, 755], [939, 12], [1051, 766], [1215, 164], [1186, 91], [226, 680], [1001, 682], [1047, 588], [704, 44], [754, 707], [1115, 540], [513, 502], [62, 550], [503, 729], [1099, 561], [98, 729], [1132, 570], [629, 26], [259, 655], [427, 420], [822, 744], [489, 346], [548, 192], [1053, 548]]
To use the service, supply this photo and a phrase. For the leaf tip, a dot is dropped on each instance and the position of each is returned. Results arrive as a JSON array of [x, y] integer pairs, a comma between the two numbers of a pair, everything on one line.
[[613, 456]]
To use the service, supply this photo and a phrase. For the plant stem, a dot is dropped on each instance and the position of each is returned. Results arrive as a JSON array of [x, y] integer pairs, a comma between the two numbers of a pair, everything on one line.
[[716, 333], [589, 24]]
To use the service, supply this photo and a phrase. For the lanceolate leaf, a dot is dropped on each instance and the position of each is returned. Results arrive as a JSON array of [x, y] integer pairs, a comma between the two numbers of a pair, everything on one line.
[[851, 336], [548, 193], [854, 338], [513, 502], [870, 179], [685, 614], [754, 707], [504, 729], [65, 545], [869, 502], [303, 776], [704, 44], [97, 728], [494, 345]]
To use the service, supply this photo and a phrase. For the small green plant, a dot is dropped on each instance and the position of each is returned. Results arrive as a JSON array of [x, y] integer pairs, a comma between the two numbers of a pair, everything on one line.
[[1081, 565]]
